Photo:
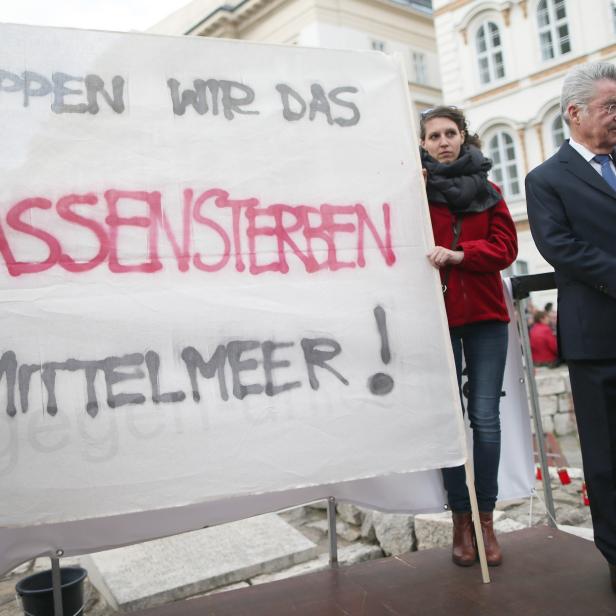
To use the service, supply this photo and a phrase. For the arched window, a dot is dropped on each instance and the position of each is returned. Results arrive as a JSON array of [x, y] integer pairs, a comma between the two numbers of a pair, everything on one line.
[[501, 149], [558, 131], [553, 28], [489, 53]]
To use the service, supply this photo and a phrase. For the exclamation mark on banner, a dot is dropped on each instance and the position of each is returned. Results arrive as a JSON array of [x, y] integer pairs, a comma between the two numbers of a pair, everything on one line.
[[380, 383]]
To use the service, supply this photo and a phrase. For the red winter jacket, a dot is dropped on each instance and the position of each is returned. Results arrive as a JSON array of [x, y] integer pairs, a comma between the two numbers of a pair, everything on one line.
[[543, 345], [489, 241]]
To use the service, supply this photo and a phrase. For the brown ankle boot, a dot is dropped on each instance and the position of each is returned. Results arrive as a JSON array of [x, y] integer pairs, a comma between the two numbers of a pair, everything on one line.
[[494, 555], [464, 552]]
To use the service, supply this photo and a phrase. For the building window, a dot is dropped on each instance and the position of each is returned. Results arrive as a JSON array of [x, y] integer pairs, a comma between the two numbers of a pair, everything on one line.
[[377, 45], [501, 149], [489, 53], [558, 131], [517, 268], [553, 28], [419, 67]]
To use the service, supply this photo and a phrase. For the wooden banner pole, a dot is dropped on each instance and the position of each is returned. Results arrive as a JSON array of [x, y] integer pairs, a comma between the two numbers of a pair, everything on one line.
[[470, 483]]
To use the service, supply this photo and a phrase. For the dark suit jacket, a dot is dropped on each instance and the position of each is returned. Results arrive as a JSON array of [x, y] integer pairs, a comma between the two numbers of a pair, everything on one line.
[[572, 215]]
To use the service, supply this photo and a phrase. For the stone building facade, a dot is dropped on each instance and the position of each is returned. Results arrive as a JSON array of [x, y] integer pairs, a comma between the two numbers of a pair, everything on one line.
[[503, 61]]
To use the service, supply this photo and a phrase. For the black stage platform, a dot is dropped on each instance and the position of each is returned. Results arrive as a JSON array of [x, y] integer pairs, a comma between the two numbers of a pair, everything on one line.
[[545, 573]]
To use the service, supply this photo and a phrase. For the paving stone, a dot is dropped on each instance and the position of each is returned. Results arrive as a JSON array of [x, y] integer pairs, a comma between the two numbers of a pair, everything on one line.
[[367, 526], [322, 504], [348, 555], [350, 513], [343, 530], [167, 569], [507, 525], [394, 532], [434, 530], [293, 515], [584, 533], [227, 588]]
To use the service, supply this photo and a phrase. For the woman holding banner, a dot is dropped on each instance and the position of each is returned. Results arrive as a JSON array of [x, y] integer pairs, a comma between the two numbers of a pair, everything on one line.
[[475, 239]]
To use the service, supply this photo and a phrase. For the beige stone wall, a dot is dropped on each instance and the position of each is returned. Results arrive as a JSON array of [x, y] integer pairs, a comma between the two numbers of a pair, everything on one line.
[[555, 400]]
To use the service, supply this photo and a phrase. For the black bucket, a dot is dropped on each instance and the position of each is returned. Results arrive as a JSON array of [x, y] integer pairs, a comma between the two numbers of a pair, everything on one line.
[[36, 592]]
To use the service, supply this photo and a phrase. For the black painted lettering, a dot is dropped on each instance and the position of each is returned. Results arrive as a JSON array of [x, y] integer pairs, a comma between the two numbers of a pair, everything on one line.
[[152, 362], [8, 370], [35, 85], [269, 365], [216, 365], [10, 82], [231, 95], [333, 96], [23, 378], [236, 95], [48, 376], [113, 377], [60, 91], [319, 103], [286, 95], [235, 349], [316, 356], [95, 86]]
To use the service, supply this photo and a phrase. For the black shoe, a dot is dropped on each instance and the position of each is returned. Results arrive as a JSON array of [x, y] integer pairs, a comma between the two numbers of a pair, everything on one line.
[[613, 576]]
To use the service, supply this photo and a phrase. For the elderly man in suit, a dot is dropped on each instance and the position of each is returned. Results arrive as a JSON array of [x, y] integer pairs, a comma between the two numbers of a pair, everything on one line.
[[572, 213]]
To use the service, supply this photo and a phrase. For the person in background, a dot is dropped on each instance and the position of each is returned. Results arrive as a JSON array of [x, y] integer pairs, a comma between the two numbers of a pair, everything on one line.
[[475, 239], [549, 310], [571, 201], [543, 345]]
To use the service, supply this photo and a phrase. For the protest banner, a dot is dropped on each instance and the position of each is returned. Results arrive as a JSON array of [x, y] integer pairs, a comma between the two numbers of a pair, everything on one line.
[[215, 296]]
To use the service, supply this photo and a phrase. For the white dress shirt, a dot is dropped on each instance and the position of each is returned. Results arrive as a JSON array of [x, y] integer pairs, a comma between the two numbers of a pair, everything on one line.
[[588, 156]]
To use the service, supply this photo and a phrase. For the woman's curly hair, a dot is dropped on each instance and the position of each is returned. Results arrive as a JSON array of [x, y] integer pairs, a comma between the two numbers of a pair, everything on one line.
[[455, 115]]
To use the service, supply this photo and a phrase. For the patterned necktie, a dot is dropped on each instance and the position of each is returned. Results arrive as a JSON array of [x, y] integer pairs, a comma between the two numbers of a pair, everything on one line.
[[606, 169]]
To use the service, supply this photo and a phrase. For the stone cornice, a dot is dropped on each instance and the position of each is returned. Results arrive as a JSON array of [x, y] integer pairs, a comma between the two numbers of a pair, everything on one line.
[[228, 15]]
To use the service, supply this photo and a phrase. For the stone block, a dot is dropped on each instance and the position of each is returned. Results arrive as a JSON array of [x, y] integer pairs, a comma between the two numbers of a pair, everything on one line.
[[507, 525], [549, 384], [227, 588], [584, 533], [394, 532], [164, 570], [320, 505], [548, 405], [564, 423], [547, 422], [367, 526], [295, 514], [350, 513], [433, 530], [349, 555], [573, 515], [343, 530], [565, 403]]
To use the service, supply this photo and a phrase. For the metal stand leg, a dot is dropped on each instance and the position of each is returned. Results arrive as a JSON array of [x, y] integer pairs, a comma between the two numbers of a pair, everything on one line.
[[520, 307], [56, 581], [333, 538]]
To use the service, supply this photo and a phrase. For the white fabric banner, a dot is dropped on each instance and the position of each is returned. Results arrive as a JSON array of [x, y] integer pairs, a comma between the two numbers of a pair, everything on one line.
[[215, 296]]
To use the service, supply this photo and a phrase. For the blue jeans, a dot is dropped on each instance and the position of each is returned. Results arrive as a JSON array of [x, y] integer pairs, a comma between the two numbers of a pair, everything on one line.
[[484, 345]]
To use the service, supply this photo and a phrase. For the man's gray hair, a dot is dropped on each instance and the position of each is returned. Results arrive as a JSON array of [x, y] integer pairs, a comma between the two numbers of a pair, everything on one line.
[[579, 84]]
